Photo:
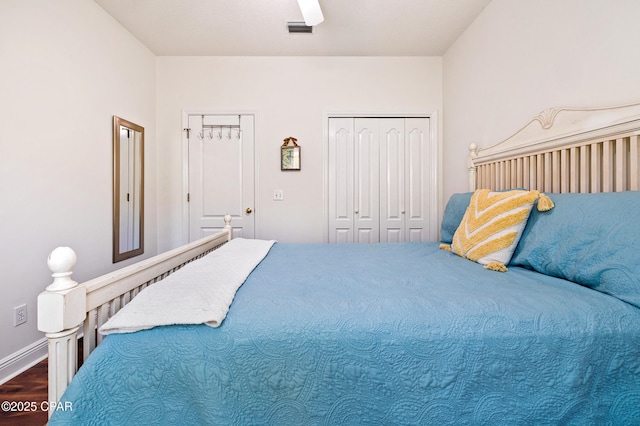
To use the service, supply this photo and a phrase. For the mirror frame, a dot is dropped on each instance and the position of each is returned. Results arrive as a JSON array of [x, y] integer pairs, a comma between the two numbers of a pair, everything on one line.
[[117, 255]]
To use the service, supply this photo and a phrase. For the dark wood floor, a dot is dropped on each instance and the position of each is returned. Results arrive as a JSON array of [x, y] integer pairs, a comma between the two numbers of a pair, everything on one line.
[[23, 393]]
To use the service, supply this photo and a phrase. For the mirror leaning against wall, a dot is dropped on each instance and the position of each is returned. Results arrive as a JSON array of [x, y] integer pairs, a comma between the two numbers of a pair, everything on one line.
[[128, 189]]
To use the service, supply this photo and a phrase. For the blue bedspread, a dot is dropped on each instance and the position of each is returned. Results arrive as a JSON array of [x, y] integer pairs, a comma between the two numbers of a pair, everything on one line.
[[376, 334]]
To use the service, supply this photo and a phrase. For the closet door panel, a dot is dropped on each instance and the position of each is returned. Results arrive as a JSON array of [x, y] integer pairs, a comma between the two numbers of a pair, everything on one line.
[[341, 173], [418, 179], [342, 236], [366, 236], [367, 176], [392, 180]]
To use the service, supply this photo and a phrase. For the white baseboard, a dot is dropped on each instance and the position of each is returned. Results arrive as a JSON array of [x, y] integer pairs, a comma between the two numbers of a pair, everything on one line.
[[22, 360]]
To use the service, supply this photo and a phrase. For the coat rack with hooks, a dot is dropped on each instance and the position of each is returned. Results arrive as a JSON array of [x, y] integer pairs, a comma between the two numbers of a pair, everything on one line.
[[215, 131]]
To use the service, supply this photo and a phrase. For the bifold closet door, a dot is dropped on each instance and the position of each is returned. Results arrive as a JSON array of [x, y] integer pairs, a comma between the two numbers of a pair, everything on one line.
[[419, 180], [366, 190], [340, 168], [404, 179], [354, 200], [379, 180], [392, 180]]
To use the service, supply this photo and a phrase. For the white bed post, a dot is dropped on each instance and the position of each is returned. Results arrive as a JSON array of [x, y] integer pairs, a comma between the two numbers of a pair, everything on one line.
[[471, 167], [61, 310], [227, 226]]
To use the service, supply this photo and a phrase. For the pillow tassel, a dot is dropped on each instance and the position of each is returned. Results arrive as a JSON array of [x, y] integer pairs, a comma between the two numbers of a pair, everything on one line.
[[446, 247], [544, 203], [496, 266]]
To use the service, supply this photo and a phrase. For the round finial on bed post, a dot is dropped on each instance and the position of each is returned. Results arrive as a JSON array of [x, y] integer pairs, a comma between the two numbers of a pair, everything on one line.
[[227, 225], [473, 150], [471, 167], [61, 262]]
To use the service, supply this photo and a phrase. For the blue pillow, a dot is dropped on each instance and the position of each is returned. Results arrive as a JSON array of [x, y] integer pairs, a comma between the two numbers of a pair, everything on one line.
[[453, 214], [590, 239]]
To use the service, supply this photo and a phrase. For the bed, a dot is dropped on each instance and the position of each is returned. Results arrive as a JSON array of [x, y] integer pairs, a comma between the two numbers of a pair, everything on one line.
[[398, 333]]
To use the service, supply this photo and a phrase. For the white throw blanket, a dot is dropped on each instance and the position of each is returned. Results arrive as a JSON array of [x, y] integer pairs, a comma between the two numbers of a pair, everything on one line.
[[199, 293]]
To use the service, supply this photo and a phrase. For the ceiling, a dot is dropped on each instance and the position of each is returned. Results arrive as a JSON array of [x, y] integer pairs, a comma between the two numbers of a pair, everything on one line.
[[258, 27]]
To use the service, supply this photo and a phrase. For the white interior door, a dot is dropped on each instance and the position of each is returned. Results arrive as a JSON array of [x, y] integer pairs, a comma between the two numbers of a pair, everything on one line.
[[341, 163], [392, 180], [367, 180], [419, 181], [354, 174], [381, 180], [221, 174], [405, 185]]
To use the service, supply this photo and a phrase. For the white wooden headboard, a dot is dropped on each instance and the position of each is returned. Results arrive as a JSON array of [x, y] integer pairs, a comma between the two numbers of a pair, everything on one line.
[[565, 150]]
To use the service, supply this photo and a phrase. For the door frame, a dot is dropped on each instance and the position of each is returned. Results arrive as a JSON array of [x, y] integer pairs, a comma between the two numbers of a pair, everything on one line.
[[185, 163], [436, 174]]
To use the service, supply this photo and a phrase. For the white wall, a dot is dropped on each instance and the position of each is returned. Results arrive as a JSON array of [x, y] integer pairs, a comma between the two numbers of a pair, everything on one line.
[[66, 67], [521, 57], [290, 96]]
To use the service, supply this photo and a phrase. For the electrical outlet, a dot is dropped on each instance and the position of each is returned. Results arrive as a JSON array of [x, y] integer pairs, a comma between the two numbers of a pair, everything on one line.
[[278, 195], [19, 315]]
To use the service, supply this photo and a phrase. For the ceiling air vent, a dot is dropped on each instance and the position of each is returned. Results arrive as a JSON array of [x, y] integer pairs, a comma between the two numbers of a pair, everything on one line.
[[299, 28]]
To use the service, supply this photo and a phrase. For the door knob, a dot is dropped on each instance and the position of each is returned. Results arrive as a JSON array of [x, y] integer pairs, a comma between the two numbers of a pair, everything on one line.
[[248, 210]]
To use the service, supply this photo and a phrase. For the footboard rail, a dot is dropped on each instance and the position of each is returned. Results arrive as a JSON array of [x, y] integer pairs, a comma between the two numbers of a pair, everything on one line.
[[66, 306]]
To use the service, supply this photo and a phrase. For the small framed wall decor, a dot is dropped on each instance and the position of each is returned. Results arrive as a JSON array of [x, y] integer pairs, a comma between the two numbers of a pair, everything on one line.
[[290, 155]]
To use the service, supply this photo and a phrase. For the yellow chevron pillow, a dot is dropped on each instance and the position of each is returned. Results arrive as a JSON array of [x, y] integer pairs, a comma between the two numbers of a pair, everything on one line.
[[492, 225]]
